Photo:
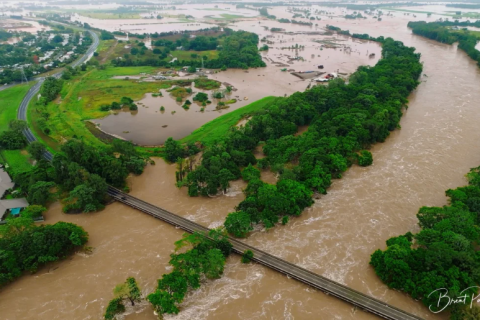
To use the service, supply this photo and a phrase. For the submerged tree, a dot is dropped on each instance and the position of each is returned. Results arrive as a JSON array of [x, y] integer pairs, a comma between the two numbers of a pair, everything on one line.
[[129, 291]]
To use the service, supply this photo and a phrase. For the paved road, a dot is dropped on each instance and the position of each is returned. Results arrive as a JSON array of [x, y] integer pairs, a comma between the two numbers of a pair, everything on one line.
[[22, 110], [319, 282]]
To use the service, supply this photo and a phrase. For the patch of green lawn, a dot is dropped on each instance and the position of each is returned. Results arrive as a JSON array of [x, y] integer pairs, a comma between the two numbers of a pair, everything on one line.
[[218, 128], [120, 71], [187, 55], [18, 160], [10, 100]]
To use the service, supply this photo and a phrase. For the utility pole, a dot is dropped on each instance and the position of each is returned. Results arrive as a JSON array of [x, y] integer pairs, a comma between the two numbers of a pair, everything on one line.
[[24, 77]]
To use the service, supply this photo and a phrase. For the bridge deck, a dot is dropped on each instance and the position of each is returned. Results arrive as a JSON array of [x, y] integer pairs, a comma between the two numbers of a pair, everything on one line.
[[319, 282]]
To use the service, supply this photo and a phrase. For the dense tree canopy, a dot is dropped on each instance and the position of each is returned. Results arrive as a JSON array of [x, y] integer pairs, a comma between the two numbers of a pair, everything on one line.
[[205, 257], [343, 121], [442, 31], [128, 290], [236, 49], [13, 138], [25, 247], [83, 172], [50, 89], [443, 254]]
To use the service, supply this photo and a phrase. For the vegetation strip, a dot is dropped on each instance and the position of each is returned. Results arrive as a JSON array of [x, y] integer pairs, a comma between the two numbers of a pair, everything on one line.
[[26, 247], [442, 31], [443, 254], [216, 129], [343, 120]]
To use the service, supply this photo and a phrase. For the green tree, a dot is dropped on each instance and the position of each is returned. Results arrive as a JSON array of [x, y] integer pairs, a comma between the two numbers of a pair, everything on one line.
[[33, 211], [250, 173], [57, 38], [115, 306], [128, 290], [224, 176], [238, 223], [163, 302], [12, 140], [365, 158], [36, 150], [214, 264], [173, 150], [247, 256], [88, 196], [26, 247], [39, 193], [17, 125]]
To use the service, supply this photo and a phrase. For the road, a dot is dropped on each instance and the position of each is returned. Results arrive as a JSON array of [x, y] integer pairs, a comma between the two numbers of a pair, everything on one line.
[[314, 280], [22, 110]]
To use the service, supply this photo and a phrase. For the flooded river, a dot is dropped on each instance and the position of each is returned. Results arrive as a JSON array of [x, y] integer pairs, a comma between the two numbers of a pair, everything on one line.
[[146, 127], [336, 53], [438, 143]]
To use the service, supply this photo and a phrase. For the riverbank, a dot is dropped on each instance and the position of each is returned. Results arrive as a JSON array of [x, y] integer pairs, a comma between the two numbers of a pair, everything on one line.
[[218, 128], [438, 143]]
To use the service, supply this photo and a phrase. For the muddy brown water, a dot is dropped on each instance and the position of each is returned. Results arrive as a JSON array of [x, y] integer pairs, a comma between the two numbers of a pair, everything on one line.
[[438, 142], [146, 127]]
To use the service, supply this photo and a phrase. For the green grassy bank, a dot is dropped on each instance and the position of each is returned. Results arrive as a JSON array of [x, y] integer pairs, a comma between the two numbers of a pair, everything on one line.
[[217, 128], [10, 100]]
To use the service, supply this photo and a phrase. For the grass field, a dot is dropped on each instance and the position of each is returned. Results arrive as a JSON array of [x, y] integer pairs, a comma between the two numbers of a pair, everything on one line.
[[10, 100], [81, 99], [32, 117], [105, 49], [218, 127], [187, 55], [475, 33], [18, 160], [120, 71]]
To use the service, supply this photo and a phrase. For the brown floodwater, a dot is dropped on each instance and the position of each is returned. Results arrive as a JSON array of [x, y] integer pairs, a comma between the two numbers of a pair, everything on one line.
[[24, 26], [147, 126], [438, 142]]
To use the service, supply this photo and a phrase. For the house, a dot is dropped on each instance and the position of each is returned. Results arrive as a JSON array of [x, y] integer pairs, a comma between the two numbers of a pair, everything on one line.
[[12, 205], [5, 182]]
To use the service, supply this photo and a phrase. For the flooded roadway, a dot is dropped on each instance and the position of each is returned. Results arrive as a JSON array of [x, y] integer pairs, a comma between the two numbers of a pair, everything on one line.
[[438, 143]]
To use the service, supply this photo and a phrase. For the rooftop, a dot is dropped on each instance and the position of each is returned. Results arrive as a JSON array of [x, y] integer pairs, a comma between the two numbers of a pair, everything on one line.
[[5, 182], [12, 204]]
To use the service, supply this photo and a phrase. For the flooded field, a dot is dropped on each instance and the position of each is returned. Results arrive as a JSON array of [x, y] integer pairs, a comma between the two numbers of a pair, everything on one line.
[[150, 126], [438, 143], [23, 25], [336, 53]]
